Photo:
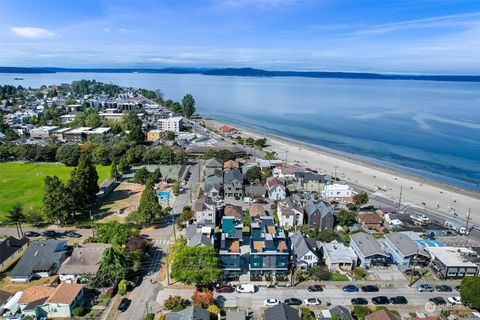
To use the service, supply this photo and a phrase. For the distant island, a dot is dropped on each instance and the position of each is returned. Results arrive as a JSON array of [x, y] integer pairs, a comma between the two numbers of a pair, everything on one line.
[[249, 72]]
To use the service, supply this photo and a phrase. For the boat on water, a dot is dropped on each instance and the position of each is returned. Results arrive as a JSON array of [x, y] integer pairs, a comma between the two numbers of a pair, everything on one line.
[[18, 79]]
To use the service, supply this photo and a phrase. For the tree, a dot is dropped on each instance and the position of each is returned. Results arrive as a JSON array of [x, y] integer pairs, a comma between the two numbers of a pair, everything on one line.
[[156, 175], [151, 155], [246, 220], [186, 214], [55, 199], [176, 188], [197, 265], [260, 143], [174, 303], [141, 175], [203, 299], [469, 289], [253, 175], [149, 208], [124, 165], [327, 235], [360, 312], [34, 217], [188, 105], [360, 199], [213, 309], [180, 157], [270, 155], [3, 125], [112, 265], [224, 155], [101, 155], [345, 217], [93, 119], [15, 215], [86, 175], [114, 232], [114, 174], [170, 135], [122, 287], [249, 141]]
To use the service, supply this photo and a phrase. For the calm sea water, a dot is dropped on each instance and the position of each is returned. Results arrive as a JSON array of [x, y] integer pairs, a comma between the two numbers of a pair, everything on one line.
[[431, 129]]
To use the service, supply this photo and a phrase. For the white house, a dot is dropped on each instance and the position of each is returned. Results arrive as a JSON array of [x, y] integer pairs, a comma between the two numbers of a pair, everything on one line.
[[204, 209], [337, 257], [289, 215], [338, 193], [174, 124], [42, 132], [276, 189], [304, 253]]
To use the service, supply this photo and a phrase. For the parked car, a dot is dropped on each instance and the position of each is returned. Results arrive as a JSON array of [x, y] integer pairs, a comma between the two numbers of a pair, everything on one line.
[[225, 289], [457, 288], [293, 302], [315, 288], [350, 288], [438, 301], [443, 288], [398, 300], [73, 234], [270, 302], [425, 287], [312, 302], [124, 304], [369, 288], [246, 288], [454, 300], [359, 301], [50, 234], [380, 300], [31, 234], [134, 282]]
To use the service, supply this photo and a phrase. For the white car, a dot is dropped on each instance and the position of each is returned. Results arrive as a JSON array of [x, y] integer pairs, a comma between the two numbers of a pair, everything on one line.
[[455, 300], [246, 288], [270, 302], [312, 302]]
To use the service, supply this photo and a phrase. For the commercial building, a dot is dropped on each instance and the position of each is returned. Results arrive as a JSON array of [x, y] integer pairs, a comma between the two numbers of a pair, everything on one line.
[[42, 132], [76, 135], [453, 262], [174, 124]]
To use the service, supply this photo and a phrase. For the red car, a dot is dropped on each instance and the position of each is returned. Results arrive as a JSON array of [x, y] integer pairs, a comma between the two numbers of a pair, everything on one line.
[[225, 289]]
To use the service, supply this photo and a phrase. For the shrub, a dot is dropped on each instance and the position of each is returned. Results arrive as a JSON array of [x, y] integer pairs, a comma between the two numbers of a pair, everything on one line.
[[360, 312], [174, 303], [214, 309], [360, 273], [306, 314], [122, 287], [78, 311], [149, 316]]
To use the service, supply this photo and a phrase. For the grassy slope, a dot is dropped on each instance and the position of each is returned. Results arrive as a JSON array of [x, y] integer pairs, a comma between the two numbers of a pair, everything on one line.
[[24, 183]]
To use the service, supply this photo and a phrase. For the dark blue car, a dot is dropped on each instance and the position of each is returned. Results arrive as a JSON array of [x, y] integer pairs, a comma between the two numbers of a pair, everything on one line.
[[350, 288]]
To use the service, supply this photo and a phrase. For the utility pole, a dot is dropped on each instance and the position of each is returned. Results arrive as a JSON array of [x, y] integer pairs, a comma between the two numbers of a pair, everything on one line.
[[400, 198], [413, 269], [468, 218], [173, 225]]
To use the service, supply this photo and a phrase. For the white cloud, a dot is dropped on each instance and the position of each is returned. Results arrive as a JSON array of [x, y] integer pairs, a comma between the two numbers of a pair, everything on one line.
[[33, 33]]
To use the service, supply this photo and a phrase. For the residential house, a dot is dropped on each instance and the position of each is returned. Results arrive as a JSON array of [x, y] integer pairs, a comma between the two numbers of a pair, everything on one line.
[[230, 246], [256, 210], [338, 193], [204, 209], [83, 261], [383, 314], [289, 215], [338, 257], [281, 311], [338, 312], [233, 183], [304, 251], [319, 214], [42, 259], [368, 250], [231, 164], [308, 181], [276, 189], [453, 262], [11, 249], [403, 250], [213, 186], [201, 233], [11, 306], [371, 221], [174, 124], [51, 302], [210, 166], [190, 313], [231, 210], [283, 172], [255, 191], [5, 296], [269, 250]]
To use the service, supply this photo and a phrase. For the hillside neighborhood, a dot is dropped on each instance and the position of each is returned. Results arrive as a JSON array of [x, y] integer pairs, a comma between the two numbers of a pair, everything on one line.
[[192, 219]]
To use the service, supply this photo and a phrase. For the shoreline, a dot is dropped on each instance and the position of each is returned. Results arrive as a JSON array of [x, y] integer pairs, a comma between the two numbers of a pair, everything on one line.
[[437, 196]]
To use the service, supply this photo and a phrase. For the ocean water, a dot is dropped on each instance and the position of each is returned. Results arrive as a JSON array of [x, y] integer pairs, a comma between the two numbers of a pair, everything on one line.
[[431, 129]]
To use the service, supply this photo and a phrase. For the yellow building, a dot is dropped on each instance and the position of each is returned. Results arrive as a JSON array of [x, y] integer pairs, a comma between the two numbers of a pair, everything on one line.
[[154, 135], [11, 249]]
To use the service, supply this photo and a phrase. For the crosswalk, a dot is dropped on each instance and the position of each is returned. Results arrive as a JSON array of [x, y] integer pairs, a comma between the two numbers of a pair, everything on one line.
[[161, 242]]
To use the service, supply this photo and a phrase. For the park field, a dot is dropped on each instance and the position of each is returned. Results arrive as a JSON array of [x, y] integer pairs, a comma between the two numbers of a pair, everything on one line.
[[23, 183]]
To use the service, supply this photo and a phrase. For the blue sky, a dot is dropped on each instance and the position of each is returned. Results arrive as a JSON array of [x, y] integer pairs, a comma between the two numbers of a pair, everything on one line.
[[357, 35]]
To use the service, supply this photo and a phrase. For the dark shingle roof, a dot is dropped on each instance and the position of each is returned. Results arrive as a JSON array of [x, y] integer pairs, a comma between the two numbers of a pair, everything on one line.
[[190, 313], [9, 246], [281, 312]]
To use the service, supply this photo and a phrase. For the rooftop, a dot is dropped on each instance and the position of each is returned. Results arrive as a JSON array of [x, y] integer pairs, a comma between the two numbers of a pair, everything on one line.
[[367, 244], [453, 256]]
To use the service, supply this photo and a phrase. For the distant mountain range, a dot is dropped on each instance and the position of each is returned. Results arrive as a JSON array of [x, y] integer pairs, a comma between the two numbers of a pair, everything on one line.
[[250, 72]]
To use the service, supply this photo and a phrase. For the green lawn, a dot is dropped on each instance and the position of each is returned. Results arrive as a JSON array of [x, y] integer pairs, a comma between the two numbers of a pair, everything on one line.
[[23, 182]]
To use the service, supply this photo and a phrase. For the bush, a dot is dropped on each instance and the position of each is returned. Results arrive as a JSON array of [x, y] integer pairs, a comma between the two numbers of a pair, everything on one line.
[[214, 309], [78, 311], [359, 273], [469, 289], [306, 314], [174, 303], [149, 316], [122, 287], [360, 312]]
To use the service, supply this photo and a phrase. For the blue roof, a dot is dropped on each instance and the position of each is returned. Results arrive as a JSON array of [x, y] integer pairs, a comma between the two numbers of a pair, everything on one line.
[[430, 243]]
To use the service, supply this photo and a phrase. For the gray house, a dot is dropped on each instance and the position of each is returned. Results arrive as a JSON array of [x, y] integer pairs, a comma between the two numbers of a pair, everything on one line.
[[310, 181], [190, 313], [403, 250], [233, 183], [211, 165], [214, 186], [304, 251], [319, 214], [368, 250], [42, 259], [281, 311]]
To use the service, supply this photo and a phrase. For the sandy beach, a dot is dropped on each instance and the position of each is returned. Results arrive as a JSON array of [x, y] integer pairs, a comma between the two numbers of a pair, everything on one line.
[[443, 199]]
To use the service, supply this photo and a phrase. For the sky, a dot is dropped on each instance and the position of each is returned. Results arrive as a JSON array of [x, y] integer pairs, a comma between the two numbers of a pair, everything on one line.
[[418, 36]]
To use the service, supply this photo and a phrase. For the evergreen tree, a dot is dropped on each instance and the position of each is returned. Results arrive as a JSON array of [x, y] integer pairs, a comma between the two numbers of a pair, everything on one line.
[[16, 216], [114, 174], [149, 208], [55, 200], [123, 164], [87, 176], [188, 105]]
